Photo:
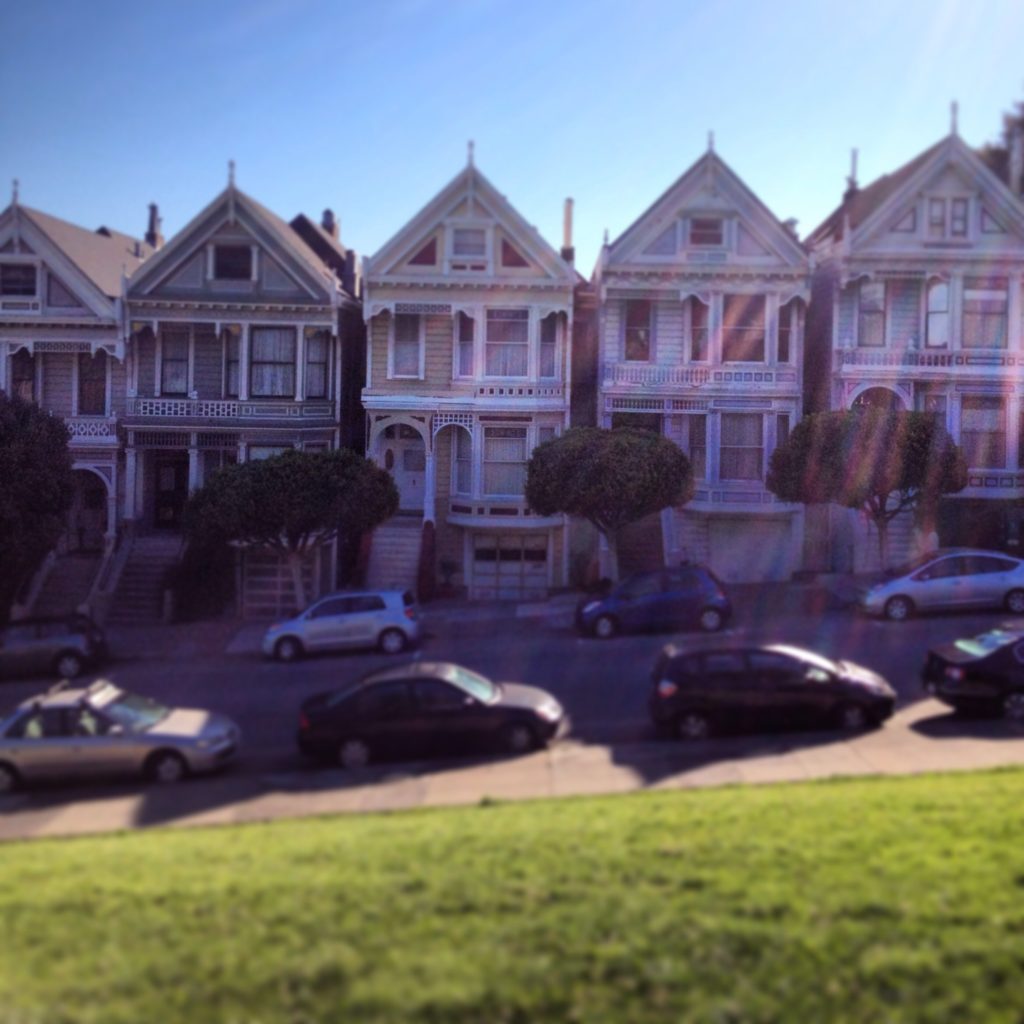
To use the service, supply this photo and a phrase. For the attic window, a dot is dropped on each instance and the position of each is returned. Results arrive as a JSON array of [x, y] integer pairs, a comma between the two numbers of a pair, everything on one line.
[[469, 242], [706, 231], [510, 256], [427, 256], [17, 279], [232, 263]]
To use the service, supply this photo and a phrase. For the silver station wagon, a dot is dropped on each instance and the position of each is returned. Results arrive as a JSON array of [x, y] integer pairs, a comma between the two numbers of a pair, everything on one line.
[[103, 730], [954, 578], [358, 618]]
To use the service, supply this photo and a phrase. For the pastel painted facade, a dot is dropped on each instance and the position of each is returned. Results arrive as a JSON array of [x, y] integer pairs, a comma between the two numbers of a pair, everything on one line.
[[469, 318], [919, 304], [701, 306]]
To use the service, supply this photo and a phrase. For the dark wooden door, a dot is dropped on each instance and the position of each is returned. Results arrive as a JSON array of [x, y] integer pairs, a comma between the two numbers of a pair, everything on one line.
[[171, 472]]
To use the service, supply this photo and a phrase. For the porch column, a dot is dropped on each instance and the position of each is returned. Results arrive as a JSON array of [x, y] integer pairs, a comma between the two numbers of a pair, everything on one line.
[[193, 469], [111, 530], [429, 487], [130, 471]]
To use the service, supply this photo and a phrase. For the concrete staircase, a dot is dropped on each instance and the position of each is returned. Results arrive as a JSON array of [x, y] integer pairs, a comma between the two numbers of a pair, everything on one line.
[[67, 584], [138, 598], [641, 547], [395, 554]]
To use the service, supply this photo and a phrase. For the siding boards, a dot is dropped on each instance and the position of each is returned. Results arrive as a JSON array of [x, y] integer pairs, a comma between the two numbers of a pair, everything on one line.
[[57, 382], [668, 333], [904, 299], [118, 387], [206, 373], [147, 364]]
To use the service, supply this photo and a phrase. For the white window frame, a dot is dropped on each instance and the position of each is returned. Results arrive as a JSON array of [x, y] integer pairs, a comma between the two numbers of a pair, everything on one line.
[[556, 373], [474, 318], [947, 218], [211, 260], [691, 244], [190, 364], [484, 462], [531, 331], [722, 446], [454, 262], [12, 258], [457, 434], [421, 373]]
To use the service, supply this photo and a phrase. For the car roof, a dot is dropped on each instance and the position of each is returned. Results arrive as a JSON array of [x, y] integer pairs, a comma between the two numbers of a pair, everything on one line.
[[63, 696], [943, 552], [410, 670], [728, 645]]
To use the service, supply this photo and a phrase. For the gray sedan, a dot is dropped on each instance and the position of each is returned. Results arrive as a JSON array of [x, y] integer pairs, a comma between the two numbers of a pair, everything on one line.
[[105, 731], [954, 578]]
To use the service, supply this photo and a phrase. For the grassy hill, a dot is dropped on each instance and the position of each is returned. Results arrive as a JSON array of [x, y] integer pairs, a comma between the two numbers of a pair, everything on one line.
[[880, 900]]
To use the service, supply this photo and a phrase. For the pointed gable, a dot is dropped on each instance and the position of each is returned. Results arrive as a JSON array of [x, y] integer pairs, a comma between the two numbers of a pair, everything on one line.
[[707, 216]]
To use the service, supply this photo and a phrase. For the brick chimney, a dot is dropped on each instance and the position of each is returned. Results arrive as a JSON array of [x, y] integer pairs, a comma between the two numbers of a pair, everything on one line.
[[153, 236], [568, 251], [330, 224]]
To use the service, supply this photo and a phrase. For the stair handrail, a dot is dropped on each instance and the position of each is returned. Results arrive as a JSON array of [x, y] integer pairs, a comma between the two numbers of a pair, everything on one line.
[[116, 552]]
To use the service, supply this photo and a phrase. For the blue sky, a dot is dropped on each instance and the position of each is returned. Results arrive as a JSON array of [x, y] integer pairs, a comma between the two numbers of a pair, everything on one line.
[[367, 107]]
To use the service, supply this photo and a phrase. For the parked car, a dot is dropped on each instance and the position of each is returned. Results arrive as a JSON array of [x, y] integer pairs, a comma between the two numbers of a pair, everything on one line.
[[64, 646], [102, 730], [949, 579], [700, 691], [387, 619], [426, 708], [684, 597], [982, 674]]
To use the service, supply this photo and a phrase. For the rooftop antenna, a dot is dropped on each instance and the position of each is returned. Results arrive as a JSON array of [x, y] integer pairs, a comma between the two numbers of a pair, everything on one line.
[[954, 111]]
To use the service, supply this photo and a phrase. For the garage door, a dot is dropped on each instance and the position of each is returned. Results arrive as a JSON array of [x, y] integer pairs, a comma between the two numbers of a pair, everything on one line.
[[746, 552], [512, 567]]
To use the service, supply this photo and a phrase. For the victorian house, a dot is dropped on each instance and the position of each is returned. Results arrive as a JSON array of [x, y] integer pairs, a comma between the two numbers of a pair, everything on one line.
[[63, 346], [233, 355], [701, 306], [469, 316], [919, 304]]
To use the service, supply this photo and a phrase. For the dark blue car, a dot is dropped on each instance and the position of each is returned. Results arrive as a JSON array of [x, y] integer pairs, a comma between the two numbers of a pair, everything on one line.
[[686, 597]]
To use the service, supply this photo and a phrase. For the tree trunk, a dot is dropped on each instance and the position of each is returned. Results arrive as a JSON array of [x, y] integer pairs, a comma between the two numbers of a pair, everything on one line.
[[295, 565], [882, 525], [611, 566]]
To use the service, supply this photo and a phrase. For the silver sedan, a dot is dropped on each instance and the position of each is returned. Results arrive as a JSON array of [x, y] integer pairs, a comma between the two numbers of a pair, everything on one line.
[[104, 731]]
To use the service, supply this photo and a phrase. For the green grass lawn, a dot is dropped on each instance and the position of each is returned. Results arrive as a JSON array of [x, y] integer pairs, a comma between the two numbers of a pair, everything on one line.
[[881, 900]]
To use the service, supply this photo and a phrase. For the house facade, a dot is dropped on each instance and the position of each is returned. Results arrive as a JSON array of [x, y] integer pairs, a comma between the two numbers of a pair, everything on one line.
[[63, 345], [701, 311], [469, 320], [919, 305]]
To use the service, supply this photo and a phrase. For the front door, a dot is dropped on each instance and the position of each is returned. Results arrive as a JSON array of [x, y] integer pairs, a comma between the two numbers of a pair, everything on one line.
[[405, 458], [171, 477]]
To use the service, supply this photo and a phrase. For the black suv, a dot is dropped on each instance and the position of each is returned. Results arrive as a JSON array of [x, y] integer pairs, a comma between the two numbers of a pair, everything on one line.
[[682, 597]]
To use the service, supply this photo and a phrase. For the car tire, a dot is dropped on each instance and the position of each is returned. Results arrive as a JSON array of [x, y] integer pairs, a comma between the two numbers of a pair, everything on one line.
[[1013, 706], [68, 665], [166, 767], [899, 608], [392, 641], [852, 718], [10, 780], [1014, 602], [288, 649], [354, 753], [711, 620], [518, 738], [692, 726], [605, 627]]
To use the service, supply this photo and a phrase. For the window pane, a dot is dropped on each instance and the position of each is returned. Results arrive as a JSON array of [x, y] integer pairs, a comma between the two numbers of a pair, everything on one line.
[[787, 321], [548, 335], [638, 330], [17, 279], [92, 384], [23, 375], [504, 460], [232, 262], [871, 314], [705, 231], [273, 362], [469, 242], [464, 340], [743, 328], [316, 363], [507, 342], [698, 426], [406, 355], [985, 306], [741, 447], [983, 431], [698, 331]]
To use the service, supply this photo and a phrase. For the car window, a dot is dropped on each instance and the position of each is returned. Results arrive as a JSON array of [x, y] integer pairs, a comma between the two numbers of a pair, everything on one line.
[[943, 569], [85, 722], [367, 603], [21, 633], [683, 579], [641, 586], [768, 662], [44, 724], [724, 663], [433, 695], [332, 606], [386, 700], [982, 564]]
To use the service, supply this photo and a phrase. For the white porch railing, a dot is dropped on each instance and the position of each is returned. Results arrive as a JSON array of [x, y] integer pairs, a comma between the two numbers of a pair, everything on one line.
[[940, 360], [228, 408], [92, 430], [653, 376]]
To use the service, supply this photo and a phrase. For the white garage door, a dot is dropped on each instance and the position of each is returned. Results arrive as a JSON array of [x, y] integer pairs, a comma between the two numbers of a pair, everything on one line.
[[512, 567], [751, 552]]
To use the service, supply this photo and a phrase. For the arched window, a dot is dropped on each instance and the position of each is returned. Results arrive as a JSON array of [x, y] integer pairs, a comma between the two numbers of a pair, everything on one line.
[[937, 331]]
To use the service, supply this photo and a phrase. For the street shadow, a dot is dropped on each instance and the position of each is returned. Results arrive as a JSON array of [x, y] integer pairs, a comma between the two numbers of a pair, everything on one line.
[[977, 725]]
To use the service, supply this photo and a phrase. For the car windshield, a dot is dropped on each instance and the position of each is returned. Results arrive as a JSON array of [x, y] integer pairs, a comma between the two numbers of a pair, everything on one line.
[[133, 712], [477, 685], [986, 643], [910, 567], [807, 657]]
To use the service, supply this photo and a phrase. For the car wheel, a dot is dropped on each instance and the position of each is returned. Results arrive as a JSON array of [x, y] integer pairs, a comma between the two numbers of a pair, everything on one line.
[[899, 609], [852, 718], [166, 767], [1015, 602], [392, 641], [605, 627], [1013, 706], [519, 739], [693, 725], [288, 649], [9, 778], [711, 620], [354, 754], [68, 665]]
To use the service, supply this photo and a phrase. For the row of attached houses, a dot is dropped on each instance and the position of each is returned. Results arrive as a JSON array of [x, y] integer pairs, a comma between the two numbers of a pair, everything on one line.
[[467, 339]]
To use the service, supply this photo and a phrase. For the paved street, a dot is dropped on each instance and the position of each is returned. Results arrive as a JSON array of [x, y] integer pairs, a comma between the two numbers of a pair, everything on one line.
[[603, 685]]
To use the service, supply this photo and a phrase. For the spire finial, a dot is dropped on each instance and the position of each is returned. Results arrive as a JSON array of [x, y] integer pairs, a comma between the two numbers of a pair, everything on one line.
[[14, 192], [231, 173], [605, 236], [954, 113], [469, 153], [711, 142]]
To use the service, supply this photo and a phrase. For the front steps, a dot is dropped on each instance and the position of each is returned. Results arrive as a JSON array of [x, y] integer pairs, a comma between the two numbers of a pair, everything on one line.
[[67, 585], [139, 597]]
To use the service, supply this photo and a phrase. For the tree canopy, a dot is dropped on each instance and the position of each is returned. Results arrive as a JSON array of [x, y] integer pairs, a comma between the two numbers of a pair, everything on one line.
[[292, 504], [36, 488], [608, 477], [880, 461]]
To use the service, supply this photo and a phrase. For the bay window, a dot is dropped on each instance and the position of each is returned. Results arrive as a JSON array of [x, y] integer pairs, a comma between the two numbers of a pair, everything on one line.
[[871, 314], [937, 328], [232, 336], [232, 262], [406, 345], [464, 328], [23, 375], [548, 345], [462, 463], [743, 328], [637, 341], [985, 306], [741, 452], [272, 369], [698, 331], [92, 383], [983, 431], [17, 279], [174, 345], [504, 462], [507, 342], [317, 362]]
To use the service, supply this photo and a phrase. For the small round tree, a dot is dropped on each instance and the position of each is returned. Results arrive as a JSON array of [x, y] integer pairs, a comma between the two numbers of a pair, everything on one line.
[[291, 504], [880, 461], [36, 488], [609, 477]]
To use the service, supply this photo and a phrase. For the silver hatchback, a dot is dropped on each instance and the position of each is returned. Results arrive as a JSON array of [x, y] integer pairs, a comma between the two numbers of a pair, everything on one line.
[[954, 578], [368, 618]]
